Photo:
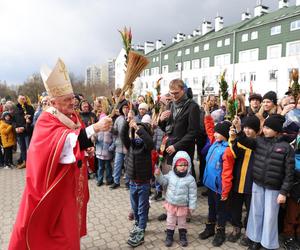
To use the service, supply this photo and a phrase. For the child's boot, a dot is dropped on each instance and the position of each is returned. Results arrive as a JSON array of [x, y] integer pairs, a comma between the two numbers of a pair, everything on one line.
[[182, 237], [234, 235], [169, 238], [208, 231], [219, 237], [137, 239]]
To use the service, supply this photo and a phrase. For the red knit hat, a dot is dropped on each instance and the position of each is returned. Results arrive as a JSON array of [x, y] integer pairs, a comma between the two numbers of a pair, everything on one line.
[[181, 160]]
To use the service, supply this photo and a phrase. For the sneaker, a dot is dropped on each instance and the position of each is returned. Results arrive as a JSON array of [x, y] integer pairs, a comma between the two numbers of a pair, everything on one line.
[[114, 186], [291, 244], [219, 237], [234, 235], [162, 217], [133, 230], [157, 196], [138, 238], [6, 167]]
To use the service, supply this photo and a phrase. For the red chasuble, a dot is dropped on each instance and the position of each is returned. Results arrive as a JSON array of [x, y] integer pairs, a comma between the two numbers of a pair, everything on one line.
[[52, 213]]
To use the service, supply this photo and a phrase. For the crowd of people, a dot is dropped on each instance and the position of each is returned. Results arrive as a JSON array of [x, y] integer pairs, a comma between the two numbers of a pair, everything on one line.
[[251, 161]]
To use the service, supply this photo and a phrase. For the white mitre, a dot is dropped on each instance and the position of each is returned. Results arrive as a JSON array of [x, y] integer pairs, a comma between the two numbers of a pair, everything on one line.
[[57, 82]]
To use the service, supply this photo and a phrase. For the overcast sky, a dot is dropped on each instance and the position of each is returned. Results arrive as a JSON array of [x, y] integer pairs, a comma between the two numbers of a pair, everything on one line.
[[84, 32]]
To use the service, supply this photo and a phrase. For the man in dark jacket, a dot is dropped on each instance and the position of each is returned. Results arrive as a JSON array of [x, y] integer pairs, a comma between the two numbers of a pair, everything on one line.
[[23, 117], [181, 122]]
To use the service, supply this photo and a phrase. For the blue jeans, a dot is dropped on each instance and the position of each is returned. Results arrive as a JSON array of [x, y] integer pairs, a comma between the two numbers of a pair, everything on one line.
[[119, 160], [139, 199], [23, 141], [104, 165]]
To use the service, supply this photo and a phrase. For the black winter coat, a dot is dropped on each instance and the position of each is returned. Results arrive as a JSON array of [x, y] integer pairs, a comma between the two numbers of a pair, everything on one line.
[[20, 118], [138, 160], [274, 162], [183, 129]]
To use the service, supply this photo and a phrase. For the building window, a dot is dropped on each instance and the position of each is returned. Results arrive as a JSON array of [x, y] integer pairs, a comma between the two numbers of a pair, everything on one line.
[[276, 30], [196, 49], [227, 42], [166, 57], [205, 62], [157, 58], [245, 37], [295, 25], [219, 43], [248, 55], [253, 76], [273, 74], [293, 48], [187, 51], [187, 65], [254, 35], [153, 59], [221, 60], [179, 53], [196, 64], [206, 46], [147, 71], [274, 51], [178, 66], [243, 77], [165, 69]]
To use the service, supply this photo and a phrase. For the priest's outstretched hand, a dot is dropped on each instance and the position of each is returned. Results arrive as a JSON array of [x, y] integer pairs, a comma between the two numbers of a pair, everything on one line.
[[104, 124]]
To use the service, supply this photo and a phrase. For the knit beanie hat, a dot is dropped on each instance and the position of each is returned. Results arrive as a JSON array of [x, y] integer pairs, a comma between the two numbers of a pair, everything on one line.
[[180, 161], [252, 122], [275, 122], [255, 96], [146, 119], [223, 128], [271, 95], [143, 106]]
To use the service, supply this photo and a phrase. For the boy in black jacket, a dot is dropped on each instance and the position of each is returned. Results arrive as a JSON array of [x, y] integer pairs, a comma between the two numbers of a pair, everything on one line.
[[242, 177], [139, 171], [273, 172]]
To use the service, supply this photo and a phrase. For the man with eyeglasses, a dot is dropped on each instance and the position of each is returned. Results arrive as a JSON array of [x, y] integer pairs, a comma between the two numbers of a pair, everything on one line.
[[181, 121]]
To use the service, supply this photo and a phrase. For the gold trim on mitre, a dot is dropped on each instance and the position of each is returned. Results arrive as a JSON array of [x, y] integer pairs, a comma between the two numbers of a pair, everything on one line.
[[57, 82]]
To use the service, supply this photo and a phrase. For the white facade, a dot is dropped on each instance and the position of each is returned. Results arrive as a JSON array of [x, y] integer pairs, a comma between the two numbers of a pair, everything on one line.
[[93, 75], [270, 74]]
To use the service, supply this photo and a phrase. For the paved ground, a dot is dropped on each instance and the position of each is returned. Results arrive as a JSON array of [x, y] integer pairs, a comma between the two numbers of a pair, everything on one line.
[[107, 217]]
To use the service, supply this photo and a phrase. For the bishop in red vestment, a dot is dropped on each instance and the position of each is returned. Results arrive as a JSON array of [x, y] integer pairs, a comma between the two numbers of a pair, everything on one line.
[[52, 213]]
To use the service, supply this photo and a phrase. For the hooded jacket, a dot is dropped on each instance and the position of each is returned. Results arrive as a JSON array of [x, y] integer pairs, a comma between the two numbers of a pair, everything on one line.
[[181, 191]]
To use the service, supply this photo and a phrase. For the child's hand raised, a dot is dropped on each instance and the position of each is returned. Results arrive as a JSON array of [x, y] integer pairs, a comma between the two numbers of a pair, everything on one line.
[[232, 133], [237, 123], [281, 199], [157, 172]]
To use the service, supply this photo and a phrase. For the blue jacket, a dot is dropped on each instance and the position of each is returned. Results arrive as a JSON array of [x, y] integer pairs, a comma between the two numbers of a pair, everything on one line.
[[181, 191], [212, 177]]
